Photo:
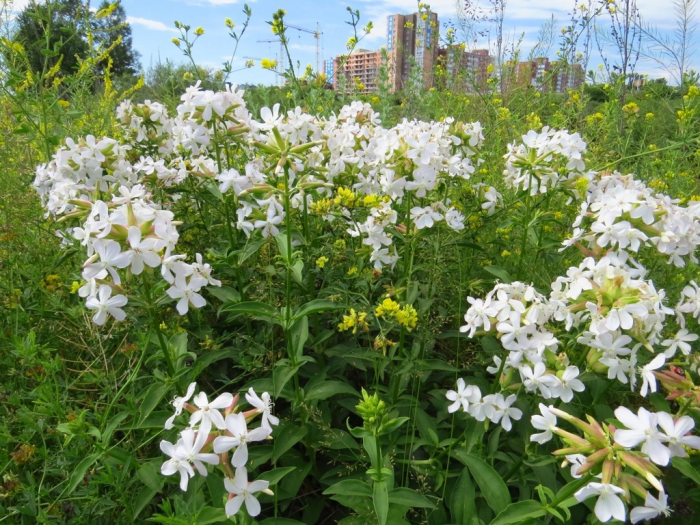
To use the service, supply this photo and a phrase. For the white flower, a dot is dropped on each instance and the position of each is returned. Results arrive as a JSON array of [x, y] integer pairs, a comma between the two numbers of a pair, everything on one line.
[[642, 428], [239, 438], [111, 257], [648, 377], [503, 411], [264, 406], [680, 341], [537, 378], [464, 395], [652, 508], [208, 413], [609, 504], [142, 251], [177, 463], [577, 461], [547, 422], [243, 492], [186, 291], [568, 384], [179, 404], [676, 433], [104, 304], [191, 450]]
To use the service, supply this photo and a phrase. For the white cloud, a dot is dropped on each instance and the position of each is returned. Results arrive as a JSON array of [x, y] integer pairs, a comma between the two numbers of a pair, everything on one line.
[[155, 25]]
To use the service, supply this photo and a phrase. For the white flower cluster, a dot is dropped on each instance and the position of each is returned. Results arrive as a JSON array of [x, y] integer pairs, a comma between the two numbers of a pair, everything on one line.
[[542, 160], [210, 429], [495, 407], [130, 233], [661, 438], [517, 314], [622, 213], [352, 147]]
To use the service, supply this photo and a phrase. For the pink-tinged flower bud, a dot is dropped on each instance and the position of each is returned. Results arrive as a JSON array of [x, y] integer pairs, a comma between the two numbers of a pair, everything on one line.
[[593, 460], [608, 470], [631, 484], [232, 406], [643, 467]]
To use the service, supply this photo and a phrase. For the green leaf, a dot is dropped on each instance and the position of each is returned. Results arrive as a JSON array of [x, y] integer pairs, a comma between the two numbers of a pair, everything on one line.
[[492, 486], [79, 473], [282, 246], [249, 250], [571, 488], [300, 334], [149, 476], [685, 468], [215, 191], [281, 375], [209, 515], [463, 499], [225, 294], [380, 498], [153, 396], [274, 475], [317, 305], [349, 487], [327, 389], [145, 496], [518, 512], [410, 498], [289, 436], [392, 426], [499, 272], [280, 521], [252, 307], [297, 271]]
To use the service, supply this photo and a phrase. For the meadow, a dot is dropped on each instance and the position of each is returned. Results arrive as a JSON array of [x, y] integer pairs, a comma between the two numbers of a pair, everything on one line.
[[308, 306]]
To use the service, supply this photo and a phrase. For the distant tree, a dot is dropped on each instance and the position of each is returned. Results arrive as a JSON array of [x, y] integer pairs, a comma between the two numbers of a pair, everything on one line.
[[107, 29], [57, 30], [52, 31]]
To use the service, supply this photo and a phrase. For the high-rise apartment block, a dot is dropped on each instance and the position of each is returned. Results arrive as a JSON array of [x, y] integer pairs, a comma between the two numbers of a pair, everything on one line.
[[465, 70], [549, 77], [359, 69], [412, 41]]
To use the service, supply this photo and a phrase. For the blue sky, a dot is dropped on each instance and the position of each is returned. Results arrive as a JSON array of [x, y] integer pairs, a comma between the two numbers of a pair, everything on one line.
[[153, 28]]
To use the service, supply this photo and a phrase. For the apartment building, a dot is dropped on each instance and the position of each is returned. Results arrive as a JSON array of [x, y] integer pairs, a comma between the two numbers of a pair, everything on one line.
[[546, 76], [412, 40], [465, 70], [358, 68]]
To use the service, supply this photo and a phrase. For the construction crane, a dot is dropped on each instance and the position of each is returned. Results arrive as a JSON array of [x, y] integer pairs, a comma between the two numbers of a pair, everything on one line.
[[317, 35], [280, 61]]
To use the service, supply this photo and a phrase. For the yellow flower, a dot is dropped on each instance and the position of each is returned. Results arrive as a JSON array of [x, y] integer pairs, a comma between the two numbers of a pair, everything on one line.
[[408, 317], [352, 271], [649, 116], [388, 307], [266, 63], [163, 326], [354, 321], [506, 253], [74, 287], [199, 31], [229, 23], [321, 261]]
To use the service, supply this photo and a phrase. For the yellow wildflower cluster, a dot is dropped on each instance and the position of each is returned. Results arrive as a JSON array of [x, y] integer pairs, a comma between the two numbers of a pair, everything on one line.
[[595, 118], [406, 316], [631, 109], [266, 63], [354, 321], [322, 206], [345, 197], [533, 121], [321, 261], [340, 244], [51, 282], [388, 307], [684, 115], [582, 185], [693, 92]]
